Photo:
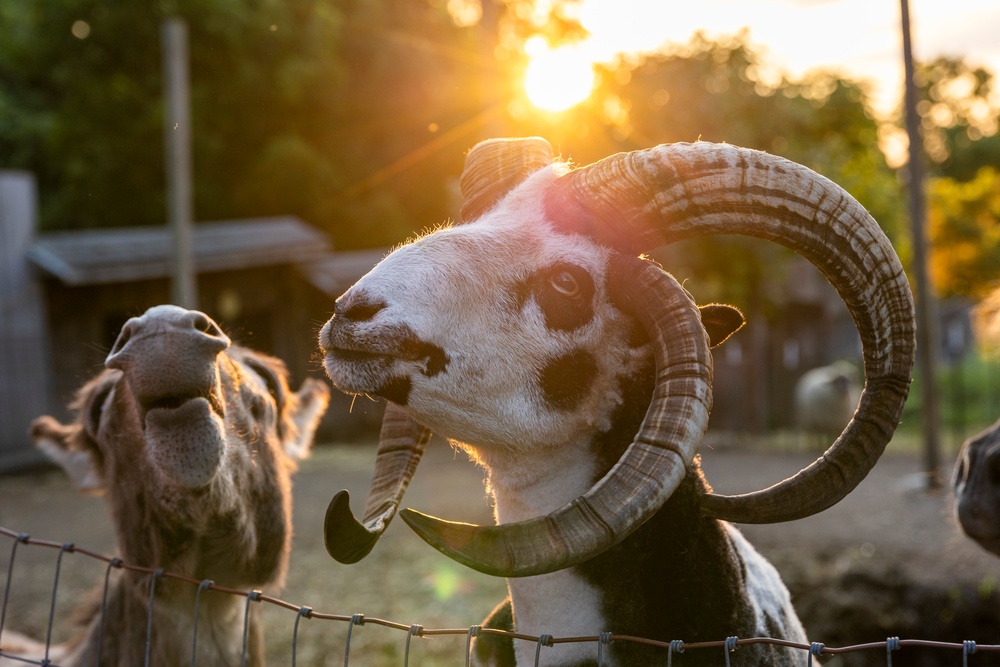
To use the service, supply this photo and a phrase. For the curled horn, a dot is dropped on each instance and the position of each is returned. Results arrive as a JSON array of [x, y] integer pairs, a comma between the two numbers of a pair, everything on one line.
[[401, 444], [493, 168], [637, 201], [644, 199]]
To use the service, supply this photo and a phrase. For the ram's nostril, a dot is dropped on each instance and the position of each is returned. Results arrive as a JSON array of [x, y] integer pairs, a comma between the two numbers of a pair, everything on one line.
[[361, 310]]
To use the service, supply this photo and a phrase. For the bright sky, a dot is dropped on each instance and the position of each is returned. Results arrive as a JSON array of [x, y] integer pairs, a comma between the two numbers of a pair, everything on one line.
[[859, 38]]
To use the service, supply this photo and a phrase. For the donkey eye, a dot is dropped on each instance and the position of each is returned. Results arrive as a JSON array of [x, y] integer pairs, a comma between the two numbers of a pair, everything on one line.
[[269, 378], [565, 283]]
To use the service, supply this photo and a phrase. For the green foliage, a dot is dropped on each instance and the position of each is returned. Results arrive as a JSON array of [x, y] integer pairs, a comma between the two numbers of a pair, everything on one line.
[[969, 394], [355, 115], [959, 123], [724, 92], [964, 234], [958, 118], [298, 107]]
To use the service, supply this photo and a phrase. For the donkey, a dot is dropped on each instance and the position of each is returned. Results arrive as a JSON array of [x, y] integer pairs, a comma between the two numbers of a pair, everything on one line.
[[192, 440]]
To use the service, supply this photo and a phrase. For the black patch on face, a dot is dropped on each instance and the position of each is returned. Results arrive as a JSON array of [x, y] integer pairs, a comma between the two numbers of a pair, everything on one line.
[[566, 380], [564, 293], [396, 390], [434, 356], [437, 361]]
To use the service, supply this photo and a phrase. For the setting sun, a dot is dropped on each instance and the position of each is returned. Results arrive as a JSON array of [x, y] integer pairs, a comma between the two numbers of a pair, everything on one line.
[[557, 79]]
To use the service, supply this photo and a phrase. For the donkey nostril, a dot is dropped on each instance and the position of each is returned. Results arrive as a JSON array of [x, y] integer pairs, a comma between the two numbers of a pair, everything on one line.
[[122, 340], [208, 332], [207, 326], [362, 310], [115, 357], [202, 323]]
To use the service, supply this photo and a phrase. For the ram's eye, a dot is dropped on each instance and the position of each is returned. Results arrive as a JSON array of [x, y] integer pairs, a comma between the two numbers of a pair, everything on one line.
[[565, 283], [564, 293]]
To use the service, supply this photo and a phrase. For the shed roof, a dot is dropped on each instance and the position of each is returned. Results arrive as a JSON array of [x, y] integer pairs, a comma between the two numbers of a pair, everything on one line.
[[102, 256], [335, 272]]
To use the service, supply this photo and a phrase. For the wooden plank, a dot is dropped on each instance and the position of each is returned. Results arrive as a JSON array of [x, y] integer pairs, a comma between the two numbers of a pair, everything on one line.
[[104, 256]]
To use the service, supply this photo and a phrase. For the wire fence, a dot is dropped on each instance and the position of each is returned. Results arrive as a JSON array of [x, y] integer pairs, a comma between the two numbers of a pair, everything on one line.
[[725, 647]]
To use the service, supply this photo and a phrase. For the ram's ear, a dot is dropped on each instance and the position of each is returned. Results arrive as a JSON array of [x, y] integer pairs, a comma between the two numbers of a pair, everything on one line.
[[68, 446], [721, 322]]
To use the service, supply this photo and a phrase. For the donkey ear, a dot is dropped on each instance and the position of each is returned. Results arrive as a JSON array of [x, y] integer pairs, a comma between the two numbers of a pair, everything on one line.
[[721, 322], [68, 446], [306, 412]]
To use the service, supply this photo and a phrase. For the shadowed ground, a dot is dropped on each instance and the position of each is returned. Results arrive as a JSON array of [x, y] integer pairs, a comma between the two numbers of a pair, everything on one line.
[[888, 560]]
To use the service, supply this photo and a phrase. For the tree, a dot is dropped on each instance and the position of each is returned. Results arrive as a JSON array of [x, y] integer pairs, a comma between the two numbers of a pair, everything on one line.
[[964, 231], [355, 115], [958, 117], [959, 123], [299, 107]]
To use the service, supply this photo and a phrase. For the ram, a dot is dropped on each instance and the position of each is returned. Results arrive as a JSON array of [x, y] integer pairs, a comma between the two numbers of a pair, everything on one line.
[[192, 441], [579, 376]]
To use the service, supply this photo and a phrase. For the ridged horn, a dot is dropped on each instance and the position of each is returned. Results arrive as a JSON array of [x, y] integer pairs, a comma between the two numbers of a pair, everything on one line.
[[494, 167], [646, 474], [641, 200], [401, 444]]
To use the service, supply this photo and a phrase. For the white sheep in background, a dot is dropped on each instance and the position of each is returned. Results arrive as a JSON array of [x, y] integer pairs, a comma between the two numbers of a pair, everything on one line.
[[825, 398], [579, 377]]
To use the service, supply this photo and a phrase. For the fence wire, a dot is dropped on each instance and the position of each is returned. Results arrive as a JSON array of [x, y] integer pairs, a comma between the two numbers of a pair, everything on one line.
[[724, 646]]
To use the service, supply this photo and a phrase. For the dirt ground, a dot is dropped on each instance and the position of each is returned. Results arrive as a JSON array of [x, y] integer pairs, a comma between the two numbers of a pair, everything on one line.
[[889, 560]]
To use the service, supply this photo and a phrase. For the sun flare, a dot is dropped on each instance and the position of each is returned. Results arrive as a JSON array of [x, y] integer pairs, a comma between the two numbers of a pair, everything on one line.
[[557, 79]]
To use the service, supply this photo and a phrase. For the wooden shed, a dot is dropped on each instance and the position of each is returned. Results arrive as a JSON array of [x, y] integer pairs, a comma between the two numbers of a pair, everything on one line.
[[248, 280], [270, 283]]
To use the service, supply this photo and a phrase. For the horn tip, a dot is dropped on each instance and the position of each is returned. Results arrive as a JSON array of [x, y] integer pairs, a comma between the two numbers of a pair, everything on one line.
[[346, 539], [464, 543], [445, 536]]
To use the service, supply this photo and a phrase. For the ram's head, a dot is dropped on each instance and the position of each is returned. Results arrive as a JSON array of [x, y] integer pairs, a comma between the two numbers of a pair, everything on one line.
[[516, 330]]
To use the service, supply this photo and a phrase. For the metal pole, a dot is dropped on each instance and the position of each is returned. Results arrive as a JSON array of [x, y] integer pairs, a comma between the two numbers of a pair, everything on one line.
[[926, 305], [177, 141]]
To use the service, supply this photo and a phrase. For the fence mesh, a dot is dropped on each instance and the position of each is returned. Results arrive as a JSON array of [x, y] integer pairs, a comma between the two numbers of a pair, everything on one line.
[[724, 646]]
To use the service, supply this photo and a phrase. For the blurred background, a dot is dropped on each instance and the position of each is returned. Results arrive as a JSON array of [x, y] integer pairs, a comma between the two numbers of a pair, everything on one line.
[[323, 132]]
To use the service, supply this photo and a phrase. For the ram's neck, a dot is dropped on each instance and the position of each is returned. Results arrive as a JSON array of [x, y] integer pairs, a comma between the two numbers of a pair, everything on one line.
[[555, 477], [529, 485]]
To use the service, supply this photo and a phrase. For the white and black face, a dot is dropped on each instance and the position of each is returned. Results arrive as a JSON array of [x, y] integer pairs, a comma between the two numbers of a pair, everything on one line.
[[495, 333]]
